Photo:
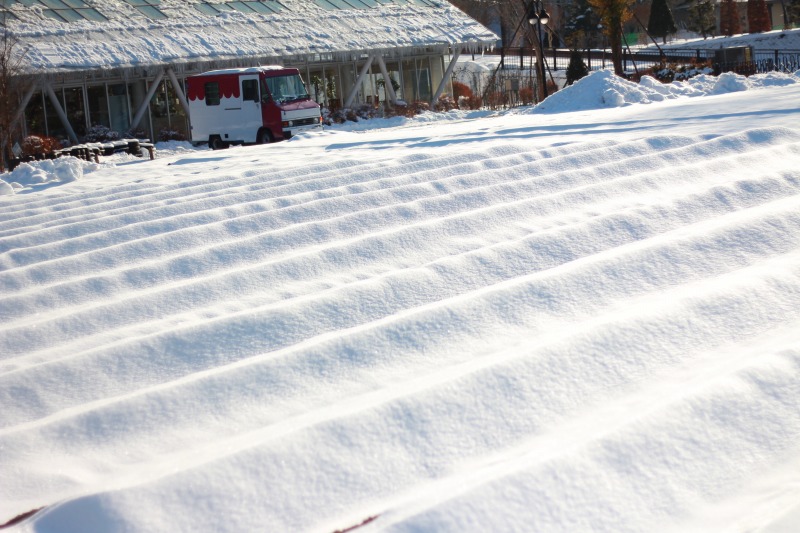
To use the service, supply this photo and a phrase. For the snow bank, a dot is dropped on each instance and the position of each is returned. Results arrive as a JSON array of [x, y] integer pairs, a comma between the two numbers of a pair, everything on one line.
[[69, 169], [602, 89], [61, 170], [771, 40]]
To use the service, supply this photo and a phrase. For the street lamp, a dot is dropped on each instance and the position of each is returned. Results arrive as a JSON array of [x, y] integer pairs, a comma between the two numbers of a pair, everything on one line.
[[538, 17]]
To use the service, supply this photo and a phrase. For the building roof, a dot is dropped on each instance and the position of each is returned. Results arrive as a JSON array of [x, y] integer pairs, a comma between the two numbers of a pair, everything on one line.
[[144, 34]]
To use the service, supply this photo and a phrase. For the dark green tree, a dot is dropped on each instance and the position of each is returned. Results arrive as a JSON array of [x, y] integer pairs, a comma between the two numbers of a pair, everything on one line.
[[581, 26], [701, 18], [793, 14], [576, 68], [661, 23]]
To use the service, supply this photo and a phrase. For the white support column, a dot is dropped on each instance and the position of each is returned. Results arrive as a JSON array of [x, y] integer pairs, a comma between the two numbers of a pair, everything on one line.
[[60, 112], [178, 91], [387, 81], [137, 118], [447, 74], [22, 105], [357, 84]]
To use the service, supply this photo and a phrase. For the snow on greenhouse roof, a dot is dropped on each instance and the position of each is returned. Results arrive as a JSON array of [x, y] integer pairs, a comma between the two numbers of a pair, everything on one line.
[[299, 30]]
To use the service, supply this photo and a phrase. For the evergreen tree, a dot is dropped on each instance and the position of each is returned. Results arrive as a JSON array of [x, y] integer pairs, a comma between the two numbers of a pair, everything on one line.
[[729, 23], [580, 26], [661, 23], [793, 14], [758, 16], [701, 18], [576, 68]]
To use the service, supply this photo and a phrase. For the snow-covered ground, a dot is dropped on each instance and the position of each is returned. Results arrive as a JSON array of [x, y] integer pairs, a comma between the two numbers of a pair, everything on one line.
[[771, 40], [582, 317]]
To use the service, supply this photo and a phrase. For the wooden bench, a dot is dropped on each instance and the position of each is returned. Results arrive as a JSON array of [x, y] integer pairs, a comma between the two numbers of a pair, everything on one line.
[[93, 151], [150, 147]]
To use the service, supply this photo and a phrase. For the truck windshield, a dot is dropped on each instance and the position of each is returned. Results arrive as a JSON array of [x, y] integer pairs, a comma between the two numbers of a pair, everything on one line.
[[287, 88]]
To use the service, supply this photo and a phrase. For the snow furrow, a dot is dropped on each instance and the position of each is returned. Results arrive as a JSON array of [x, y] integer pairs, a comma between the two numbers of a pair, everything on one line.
[[615, 376], [562, 292]]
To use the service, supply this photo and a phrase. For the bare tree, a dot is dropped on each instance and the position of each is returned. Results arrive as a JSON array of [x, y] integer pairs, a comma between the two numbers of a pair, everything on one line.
[[12, 83]]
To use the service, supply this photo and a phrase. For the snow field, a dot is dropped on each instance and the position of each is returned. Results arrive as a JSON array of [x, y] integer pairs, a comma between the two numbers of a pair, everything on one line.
[[599, 334]]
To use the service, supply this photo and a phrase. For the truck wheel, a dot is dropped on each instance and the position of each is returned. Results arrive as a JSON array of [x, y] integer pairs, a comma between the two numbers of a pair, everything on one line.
[[264, 137], [216, 143]]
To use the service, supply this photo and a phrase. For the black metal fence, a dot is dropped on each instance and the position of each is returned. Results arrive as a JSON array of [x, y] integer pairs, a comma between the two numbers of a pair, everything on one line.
[[739, 59], [515, 83]]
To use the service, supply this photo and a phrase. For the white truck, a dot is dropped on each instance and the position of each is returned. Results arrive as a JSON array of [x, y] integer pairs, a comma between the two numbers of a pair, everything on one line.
[[249, 105]]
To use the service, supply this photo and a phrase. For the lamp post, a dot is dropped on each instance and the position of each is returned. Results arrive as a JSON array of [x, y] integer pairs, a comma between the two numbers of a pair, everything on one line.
[[538, 17]]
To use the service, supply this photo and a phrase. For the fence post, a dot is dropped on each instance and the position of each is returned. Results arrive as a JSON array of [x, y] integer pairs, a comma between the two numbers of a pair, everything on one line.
[[521, 58], [775, 66], [589, 59]]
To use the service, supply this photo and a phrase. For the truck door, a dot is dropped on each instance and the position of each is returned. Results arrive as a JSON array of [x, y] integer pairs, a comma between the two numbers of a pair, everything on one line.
[[270, 112], [247, 118]]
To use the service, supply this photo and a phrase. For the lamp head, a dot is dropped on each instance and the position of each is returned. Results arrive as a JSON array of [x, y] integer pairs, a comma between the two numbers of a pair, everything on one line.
[[533, 17], [544, 17]]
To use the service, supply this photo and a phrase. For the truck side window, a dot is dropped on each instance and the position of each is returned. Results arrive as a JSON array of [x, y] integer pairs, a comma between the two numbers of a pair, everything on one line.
[[212, 93], [250, 90]]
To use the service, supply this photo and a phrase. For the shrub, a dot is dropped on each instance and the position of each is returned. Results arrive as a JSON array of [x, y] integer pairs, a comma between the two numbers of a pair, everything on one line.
[[445, 103], [526, 95], [470, 102], [34, 145], [461, 90], [99, 133], [360, 112], [136, 134], [669, 72], [167, 134], [495, 99], [409, 110], [576, 69]]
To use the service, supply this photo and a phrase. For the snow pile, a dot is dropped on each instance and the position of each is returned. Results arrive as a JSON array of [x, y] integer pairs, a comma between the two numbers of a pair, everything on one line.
[[68, 169], [171, 148], [61, 170], [602, 89]]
